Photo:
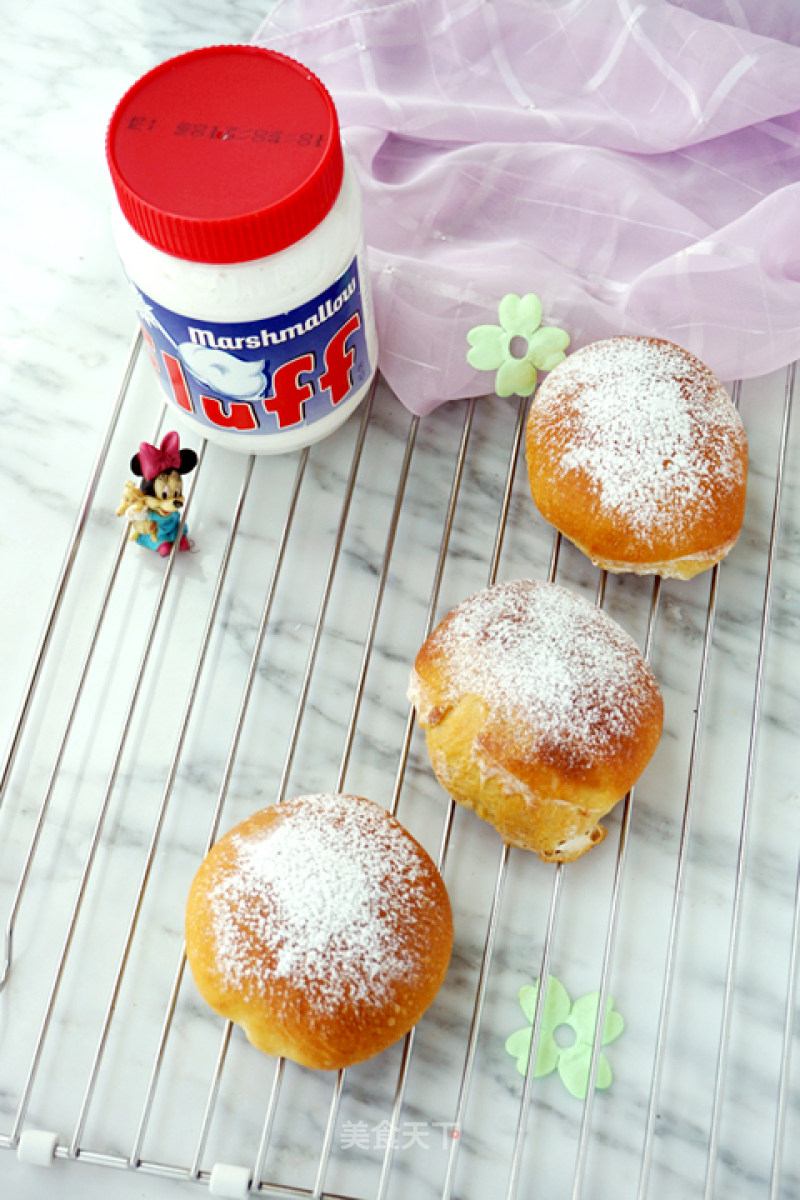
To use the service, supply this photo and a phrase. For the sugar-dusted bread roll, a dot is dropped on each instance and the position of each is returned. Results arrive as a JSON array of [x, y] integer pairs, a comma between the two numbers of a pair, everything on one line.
[[637, 454], [321, 927], [539, 713]]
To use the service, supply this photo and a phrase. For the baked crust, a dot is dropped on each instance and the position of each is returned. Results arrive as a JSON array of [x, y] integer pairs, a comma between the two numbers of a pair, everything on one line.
[[321, 927], [539, 714], [637, 454]]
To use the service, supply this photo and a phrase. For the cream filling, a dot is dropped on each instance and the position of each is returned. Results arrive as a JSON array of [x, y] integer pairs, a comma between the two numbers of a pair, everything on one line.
[[674, 568]]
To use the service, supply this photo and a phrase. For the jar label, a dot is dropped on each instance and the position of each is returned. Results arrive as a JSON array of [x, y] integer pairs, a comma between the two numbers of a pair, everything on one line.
[[263, 377]]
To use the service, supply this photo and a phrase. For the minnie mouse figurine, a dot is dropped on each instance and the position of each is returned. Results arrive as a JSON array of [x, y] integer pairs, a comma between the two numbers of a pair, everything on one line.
[[154, 508]]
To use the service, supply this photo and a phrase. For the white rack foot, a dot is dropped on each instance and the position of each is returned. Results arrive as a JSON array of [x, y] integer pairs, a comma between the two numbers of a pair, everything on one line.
[[229, 1181], [37, 1147]]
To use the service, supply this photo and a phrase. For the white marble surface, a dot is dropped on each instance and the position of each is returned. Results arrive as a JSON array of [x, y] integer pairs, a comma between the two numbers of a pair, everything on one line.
[[66, 330]]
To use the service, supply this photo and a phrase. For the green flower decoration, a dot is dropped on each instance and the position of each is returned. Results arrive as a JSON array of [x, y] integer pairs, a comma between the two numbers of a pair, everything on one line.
[[573, 1062], [493, 347]]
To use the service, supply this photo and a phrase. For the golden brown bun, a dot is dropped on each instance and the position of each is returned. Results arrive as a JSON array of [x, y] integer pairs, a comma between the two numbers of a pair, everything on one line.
[[539, 713], [637, 454], [321, 927]]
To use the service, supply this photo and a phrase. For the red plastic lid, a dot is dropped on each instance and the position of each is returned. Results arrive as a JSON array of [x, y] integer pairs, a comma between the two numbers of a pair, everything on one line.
[[225, 154]]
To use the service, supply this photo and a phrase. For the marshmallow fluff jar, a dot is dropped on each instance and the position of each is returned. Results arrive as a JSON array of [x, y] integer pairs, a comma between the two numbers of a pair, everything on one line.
[[238, 222]]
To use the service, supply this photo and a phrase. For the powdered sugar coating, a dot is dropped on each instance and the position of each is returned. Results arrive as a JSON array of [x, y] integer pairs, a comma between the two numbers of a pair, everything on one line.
[[650, 429], [546, 663], [327, 898]]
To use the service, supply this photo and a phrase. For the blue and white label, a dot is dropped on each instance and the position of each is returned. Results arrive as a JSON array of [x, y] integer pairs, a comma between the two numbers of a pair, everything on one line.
[[268, 376]]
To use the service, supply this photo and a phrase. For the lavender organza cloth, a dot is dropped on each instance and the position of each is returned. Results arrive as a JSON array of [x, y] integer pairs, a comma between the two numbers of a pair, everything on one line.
[[636, 165]]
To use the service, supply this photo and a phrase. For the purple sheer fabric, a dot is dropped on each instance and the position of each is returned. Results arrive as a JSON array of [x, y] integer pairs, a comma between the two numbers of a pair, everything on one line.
[[637, 165]]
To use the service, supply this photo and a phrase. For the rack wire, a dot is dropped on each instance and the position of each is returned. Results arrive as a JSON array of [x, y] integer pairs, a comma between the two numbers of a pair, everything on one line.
[[166, 700]]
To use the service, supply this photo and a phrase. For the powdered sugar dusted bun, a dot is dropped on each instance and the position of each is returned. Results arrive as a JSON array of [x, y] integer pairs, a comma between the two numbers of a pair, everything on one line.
[[321, 927], [539, 713], [637, 454]]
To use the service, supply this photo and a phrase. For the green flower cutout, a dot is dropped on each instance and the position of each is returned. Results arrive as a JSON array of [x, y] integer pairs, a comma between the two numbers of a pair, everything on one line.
[[573, 1062], [495, 347]]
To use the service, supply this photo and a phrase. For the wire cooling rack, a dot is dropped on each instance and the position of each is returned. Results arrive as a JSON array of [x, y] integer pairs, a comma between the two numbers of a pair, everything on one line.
[[168, 699]]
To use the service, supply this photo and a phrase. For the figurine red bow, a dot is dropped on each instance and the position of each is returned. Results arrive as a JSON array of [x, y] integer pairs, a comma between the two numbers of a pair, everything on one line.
[[157, 460]]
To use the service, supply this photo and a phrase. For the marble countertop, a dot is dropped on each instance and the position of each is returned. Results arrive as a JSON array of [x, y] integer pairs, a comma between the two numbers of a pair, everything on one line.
[[153, 723]]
